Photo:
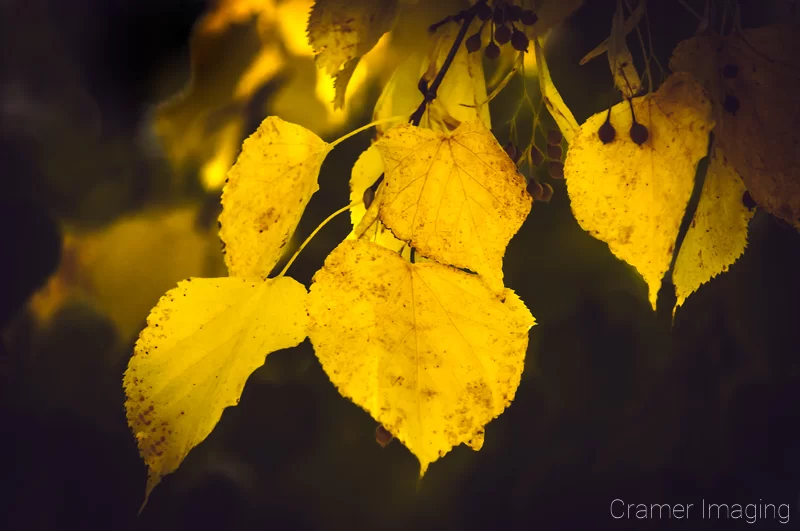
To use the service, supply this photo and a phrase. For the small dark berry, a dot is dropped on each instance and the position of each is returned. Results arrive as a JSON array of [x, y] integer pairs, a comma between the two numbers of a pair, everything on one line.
[[484, 12], [382, 436], [547, 193], [554, 137], [748, 201], [528, 17], [731, 104], [492, 50], [555, 169], [473, 42], [554, 152], [513, 12], [499, 16], [368, 197], [639, 133], [535, 189], [511, 151], [730, 71], [606, 132], [502, 34], [536, 157], [519, 41]]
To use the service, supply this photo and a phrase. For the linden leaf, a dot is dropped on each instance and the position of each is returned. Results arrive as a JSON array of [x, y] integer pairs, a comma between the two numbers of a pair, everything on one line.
[[342, 30], [460, 98], [429, 351], [267, 191], [633, 197], [717, 236], [366, 171], [552, 99], [456, 197], [202, 341], [620, 60], [753, 78]]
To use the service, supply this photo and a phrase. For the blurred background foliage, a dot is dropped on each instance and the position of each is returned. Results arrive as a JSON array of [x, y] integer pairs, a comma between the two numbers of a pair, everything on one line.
[[118, 122]]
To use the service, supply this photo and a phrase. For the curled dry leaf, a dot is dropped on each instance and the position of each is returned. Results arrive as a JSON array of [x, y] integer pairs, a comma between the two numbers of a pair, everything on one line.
[[343, 30], [429, 351], [552, 98], [202, 341], [620, 60], [267, 191], [456, 197], [753, 78], [717, 236], [634, 197]]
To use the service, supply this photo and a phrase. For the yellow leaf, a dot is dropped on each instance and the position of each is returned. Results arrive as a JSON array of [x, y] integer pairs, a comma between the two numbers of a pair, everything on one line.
[[429, 351], [717, 236], [620, 60], [367, 169], [456, 197], [341, 30], [634, 197], [460, 98], [202, 341], [753, 77], [552, 98], [268, 188]]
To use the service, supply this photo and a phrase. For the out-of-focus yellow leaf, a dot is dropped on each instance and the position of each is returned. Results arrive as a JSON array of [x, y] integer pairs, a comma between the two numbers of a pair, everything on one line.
[[460, 98], [267, 191], [202, 341], [552, 99], [366, 225], [341, 30], [753, 78], [429, 351], [717, 236], [456, 197], [229, 12], [620, 60], [634, 197]]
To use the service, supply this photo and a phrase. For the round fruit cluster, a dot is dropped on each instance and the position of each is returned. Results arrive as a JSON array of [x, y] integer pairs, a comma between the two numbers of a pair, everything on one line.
[[502, 21]]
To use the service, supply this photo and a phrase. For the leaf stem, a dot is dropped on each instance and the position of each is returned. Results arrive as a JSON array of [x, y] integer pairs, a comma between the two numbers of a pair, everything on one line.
[[364, 128], [430, 95], [314, 233]]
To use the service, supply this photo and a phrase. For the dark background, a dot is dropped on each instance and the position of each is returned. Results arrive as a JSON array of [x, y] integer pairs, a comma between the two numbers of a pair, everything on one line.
[[611, 405]]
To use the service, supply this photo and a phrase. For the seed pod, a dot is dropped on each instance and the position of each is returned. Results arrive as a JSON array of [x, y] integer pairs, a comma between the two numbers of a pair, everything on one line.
[[554, 137], [511, 151], [519, 41], [499, 15], [473, 42], [639, 133], [554, 152], [555, 169], [484, 12], [731, 104], [528, 17], [535, 189], [730, 71], [536, 156], [513, 12], [368, 197], [606, 132], [748, 201], [502, 34], [492, 51], [547, 193], [382, 436]]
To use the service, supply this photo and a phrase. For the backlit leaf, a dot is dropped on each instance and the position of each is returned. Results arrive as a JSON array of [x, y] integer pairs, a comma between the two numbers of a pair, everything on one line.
[[429, 351], [456, 197], [552, 99], [342, 30], [717, 236], [634, 197], [267, 191], [202, 341], [366, 225], [753, 78]]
